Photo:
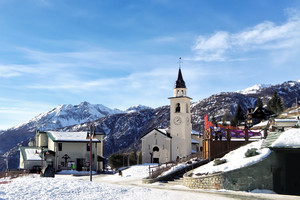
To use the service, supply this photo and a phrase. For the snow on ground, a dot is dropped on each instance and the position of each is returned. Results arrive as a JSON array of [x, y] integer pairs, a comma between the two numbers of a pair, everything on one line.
[[34, 187], [289, 138], [138, 171], [135, 172], [235, 159]]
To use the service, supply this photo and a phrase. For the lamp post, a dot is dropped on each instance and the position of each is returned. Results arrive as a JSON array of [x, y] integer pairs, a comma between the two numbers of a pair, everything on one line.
[[91, 151]]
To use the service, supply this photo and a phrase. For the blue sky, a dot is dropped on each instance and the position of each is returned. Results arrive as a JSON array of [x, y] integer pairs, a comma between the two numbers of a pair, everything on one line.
[[123, 53]]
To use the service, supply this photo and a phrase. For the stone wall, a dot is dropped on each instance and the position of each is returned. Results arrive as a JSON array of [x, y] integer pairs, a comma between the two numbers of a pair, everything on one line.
[[256, 176]]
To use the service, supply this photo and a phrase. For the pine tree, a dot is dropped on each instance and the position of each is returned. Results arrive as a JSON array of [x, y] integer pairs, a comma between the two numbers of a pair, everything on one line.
[[259, 103], [213, 120], [226, 117], [275, 104], [238, 116]]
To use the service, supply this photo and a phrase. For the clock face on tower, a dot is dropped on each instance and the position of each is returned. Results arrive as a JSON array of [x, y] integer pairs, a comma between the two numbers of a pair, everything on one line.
[[177, 120]]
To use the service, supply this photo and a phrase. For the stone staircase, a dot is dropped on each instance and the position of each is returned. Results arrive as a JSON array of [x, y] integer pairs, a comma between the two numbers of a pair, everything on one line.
[[176, 180]]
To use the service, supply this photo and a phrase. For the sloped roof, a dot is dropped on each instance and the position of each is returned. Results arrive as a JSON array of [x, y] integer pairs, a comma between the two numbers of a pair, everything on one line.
[[69, 137], [288, 139], [31, 153], [272, 137], [180, 82], [162, 131]]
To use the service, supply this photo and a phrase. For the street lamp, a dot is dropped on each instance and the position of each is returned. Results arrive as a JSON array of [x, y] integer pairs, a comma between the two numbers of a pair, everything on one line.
[[91, 151]]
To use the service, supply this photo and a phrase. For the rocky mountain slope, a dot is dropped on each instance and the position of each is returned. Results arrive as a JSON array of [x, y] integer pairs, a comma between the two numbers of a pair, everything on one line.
[[124, 129]]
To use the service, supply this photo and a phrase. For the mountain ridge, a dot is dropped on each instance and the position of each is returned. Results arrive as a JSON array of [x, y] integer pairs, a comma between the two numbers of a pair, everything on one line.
[[124, 129]]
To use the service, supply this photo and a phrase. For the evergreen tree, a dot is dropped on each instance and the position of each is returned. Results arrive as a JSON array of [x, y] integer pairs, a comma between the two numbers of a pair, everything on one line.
[[259, 102], [115, 161], [213, 120], [275, 104], [226, 117], [132, 158], [238, 116]]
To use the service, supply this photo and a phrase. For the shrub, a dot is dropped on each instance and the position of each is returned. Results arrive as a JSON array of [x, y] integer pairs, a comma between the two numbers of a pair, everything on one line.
[[251, 152], [219, 161]]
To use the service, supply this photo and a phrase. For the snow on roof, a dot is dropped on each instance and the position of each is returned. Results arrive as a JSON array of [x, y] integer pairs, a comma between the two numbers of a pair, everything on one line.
[[286, 120], [235, 159], [288, 139], [163, 131], [260, 125], [193, 132], [70, 136], [33, 154], [194, 141]]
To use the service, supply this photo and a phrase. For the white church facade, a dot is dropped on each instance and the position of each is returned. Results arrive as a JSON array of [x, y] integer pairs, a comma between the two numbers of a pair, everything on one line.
[[164, 145]]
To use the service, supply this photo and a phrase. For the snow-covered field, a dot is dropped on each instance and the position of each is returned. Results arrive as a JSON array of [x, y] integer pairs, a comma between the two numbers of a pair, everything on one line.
[[34, 187]]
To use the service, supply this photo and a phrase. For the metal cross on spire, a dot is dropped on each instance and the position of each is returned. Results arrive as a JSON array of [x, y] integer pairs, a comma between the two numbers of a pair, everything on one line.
[[179, 62]]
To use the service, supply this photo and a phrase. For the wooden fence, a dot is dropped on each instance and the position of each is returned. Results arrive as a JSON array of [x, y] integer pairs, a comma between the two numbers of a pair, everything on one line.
[[214, 146]]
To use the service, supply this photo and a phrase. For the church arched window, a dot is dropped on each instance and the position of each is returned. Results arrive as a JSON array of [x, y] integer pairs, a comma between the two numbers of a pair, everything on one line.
[[177, 107], [155, 149]]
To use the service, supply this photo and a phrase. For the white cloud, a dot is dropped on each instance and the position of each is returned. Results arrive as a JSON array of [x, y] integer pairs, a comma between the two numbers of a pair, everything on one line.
[[8, 71], [264, 36]]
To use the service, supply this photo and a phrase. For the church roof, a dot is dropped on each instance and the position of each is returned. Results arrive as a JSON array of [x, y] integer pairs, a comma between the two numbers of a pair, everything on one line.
[[162, 131], [180, 82]]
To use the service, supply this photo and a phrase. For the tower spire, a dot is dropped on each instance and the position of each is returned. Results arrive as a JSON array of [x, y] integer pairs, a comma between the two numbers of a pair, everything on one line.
[[180, 82]]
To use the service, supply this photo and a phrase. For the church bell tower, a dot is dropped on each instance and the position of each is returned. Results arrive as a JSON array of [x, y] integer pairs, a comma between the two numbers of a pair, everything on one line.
[[180, 119]]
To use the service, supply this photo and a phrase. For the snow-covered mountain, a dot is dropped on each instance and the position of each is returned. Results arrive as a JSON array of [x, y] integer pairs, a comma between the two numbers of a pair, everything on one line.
[[137, 108], [253, 89], [68, 114]]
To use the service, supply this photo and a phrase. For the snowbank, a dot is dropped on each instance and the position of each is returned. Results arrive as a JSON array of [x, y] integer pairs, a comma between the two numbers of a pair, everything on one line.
[[235, 159], [132, 172], [138, 171], [289, 138]]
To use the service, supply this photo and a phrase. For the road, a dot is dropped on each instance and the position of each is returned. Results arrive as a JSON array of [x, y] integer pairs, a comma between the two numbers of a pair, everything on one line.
[[197, 193]]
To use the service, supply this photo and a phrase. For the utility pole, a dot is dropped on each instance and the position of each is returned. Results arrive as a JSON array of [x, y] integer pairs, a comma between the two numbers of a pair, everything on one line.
[[91, 151]]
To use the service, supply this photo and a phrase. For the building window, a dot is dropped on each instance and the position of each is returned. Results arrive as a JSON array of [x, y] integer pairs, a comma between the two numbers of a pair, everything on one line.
[[149, 146], [88, 147], [177, 107], [187, 108], [59, 146], [156, 141], [155, 149]]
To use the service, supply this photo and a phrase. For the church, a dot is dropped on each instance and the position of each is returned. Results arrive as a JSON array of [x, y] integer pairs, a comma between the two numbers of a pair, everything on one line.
[[164, 145]]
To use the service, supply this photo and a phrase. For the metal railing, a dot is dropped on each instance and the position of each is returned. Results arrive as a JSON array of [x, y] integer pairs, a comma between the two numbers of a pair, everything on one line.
[[155, 171]]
